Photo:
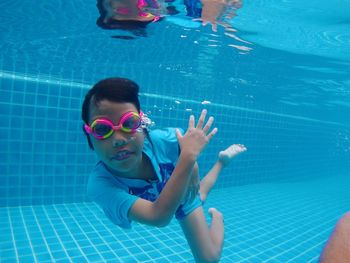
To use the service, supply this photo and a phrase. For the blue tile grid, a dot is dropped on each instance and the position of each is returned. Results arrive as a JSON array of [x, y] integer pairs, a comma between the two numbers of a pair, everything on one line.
[[272, 222]]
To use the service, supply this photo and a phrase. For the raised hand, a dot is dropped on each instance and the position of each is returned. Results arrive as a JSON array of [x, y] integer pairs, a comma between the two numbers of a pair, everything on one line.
[[197, 136], [213, 10]]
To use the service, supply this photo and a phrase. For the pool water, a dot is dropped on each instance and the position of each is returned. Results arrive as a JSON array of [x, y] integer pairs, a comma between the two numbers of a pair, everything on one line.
[[285, 222], [279, 84]]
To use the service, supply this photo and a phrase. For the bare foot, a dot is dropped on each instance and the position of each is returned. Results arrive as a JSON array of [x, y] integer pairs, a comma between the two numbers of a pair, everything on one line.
[[214, 213], [227, 155]]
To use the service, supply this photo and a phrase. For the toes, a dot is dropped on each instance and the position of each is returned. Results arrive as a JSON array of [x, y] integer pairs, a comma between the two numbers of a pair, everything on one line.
[[239, 147], [211, 210]]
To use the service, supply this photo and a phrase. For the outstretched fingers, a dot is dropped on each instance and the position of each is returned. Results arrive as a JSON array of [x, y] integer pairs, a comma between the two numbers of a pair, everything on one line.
[[212, 133], [191, 122], [178, 134], [208, 124], [201, 125], [201, 119]]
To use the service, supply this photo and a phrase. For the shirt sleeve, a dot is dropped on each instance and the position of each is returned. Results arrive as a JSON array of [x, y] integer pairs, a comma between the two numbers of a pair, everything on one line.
[[168, 150], [114, 201], [167, 145]]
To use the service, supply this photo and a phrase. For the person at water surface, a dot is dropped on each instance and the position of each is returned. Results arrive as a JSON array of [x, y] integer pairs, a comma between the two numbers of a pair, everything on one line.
[[124, 14]]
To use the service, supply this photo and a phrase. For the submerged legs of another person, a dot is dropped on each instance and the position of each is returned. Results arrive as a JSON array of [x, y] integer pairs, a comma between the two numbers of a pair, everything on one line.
[[337, 249], [224, 158]]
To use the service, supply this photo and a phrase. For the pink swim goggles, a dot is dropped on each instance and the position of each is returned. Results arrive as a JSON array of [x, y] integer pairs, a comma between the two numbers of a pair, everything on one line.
[[141, 4], [103, 128]]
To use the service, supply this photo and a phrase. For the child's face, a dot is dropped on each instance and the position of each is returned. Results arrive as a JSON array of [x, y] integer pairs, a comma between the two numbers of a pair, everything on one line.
[[121, 152]]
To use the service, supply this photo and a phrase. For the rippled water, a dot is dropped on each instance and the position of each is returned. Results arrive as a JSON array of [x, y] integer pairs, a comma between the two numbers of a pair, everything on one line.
[[290, 56], [305, 27]]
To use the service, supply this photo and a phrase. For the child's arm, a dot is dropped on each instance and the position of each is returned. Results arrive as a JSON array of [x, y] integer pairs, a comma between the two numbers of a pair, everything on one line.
[[193, 185], [161, 211]]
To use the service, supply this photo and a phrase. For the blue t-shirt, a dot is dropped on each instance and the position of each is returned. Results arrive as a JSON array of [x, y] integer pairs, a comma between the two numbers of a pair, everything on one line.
[[116, 195]]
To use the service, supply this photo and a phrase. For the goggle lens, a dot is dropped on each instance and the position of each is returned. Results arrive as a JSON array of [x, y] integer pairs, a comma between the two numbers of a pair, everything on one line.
[[104, 128], [131, 123]]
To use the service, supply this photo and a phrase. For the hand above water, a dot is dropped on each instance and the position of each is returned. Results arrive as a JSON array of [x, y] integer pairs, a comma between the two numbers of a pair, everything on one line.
[[213, 11]]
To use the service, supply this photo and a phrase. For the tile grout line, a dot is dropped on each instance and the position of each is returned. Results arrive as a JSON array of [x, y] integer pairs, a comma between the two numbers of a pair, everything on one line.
[[57, 235], [12, 234], [41, 232], [71, 235], [27, 234]]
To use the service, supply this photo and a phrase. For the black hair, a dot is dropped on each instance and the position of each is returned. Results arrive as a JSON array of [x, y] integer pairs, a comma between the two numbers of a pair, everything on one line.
[[120, 90]]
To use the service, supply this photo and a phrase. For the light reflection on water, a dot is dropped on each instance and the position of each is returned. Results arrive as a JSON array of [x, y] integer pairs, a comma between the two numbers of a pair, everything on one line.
[[265, 56]]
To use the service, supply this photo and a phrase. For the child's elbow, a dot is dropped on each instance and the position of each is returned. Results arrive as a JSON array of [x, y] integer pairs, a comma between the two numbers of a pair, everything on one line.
[[161, 222], [161, 218]]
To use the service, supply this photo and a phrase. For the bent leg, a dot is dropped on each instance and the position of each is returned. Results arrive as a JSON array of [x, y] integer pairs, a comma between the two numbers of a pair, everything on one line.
[[337, 248], [225, 157], [205, 243], [208, 181]]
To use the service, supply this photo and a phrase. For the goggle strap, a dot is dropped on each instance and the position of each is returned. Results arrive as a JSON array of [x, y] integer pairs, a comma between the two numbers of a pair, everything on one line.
[[87, 128]]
